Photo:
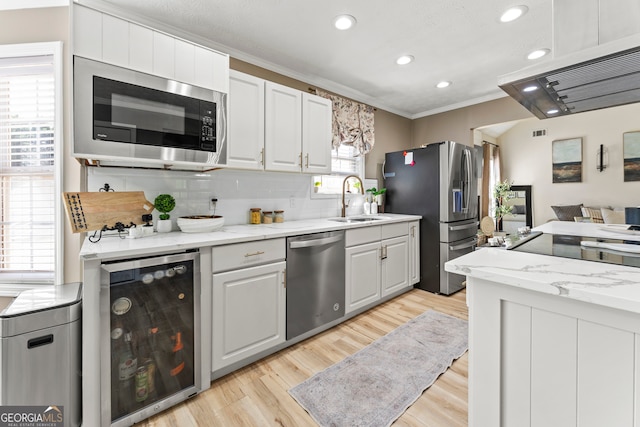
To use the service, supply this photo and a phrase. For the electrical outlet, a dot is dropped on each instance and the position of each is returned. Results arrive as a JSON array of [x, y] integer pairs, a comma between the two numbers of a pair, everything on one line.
[[292, 202]]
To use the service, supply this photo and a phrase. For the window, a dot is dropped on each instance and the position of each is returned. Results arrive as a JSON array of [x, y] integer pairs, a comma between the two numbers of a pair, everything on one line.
[[29, 163], [345, 160]]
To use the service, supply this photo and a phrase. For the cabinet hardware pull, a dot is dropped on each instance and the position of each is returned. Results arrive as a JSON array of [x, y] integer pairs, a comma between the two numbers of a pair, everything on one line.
[[300, 157], [413, 231], [253, 254], [284, 278], [306, 157], [262, 157]]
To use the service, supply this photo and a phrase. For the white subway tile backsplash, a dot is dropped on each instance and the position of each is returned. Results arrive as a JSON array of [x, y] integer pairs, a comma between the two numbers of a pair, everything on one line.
[[236, 191]]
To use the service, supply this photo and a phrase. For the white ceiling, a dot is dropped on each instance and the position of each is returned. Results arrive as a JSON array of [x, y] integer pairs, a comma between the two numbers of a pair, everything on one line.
[[457, 40]]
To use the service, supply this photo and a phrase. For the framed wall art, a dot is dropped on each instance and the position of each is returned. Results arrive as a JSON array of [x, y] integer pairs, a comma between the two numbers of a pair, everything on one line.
[[631, 155], [567, 160]]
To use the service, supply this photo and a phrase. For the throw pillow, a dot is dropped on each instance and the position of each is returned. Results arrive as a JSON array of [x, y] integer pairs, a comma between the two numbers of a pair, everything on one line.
[[518, 210], [611, 216], [594, 213], [567, 212]]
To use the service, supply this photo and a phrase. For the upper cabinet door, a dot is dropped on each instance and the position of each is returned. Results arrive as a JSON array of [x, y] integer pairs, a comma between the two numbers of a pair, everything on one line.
[[316, 134], [246, 121], [140, 48], [163, 55], [115, 41], [87, 32], [283, 128], [185, 61]]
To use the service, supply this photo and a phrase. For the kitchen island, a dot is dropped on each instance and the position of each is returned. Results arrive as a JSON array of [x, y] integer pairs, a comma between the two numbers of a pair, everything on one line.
[[553, 341]]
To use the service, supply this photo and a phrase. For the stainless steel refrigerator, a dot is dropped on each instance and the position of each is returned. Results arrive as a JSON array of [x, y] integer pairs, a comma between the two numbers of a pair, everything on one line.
[[438, 182]]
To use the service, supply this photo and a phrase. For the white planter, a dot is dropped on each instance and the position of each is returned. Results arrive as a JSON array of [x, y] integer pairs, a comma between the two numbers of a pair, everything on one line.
[[163, 225]]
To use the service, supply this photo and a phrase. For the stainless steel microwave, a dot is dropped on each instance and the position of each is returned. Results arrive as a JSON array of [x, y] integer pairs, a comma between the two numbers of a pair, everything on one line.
[[126, 117]]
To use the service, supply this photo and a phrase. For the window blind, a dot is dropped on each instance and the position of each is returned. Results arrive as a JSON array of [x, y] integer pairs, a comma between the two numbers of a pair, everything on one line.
[[345, 160], [27, 174]]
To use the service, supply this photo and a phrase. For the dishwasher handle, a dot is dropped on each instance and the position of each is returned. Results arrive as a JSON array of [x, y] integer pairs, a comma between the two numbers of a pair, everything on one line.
[[297, 244]]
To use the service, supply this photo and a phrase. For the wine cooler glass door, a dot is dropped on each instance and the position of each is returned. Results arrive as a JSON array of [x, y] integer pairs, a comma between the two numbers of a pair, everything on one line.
[[153, 308]]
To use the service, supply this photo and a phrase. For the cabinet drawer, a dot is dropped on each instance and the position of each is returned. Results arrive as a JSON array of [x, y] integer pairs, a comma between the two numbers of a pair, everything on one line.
[[240, 255], [395, 230], [359, 236]]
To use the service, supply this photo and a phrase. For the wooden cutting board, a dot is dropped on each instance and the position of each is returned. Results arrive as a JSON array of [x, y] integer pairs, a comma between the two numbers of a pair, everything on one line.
[[92, 211]]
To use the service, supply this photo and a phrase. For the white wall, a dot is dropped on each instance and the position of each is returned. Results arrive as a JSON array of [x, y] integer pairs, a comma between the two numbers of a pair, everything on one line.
[[236, 191], [527, 160]]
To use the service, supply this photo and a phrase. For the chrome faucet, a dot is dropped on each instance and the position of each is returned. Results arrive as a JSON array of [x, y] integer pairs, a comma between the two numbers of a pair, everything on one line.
[[344, 206]]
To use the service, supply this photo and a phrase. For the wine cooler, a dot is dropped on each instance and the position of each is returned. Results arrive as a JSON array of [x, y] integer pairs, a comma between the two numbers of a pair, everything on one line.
[[150, 324]]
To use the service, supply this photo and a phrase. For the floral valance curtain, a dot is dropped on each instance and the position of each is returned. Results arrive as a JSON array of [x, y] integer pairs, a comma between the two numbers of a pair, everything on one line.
[[352, 123]]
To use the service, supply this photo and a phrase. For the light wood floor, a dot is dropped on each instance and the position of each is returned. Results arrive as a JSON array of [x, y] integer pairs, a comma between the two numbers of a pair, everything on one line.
[[257, 394]]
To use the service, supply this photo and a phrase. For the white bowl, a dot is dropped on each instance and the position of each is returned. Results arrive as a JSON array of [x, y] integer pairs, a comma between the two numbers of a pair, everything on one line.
[[200, 223]]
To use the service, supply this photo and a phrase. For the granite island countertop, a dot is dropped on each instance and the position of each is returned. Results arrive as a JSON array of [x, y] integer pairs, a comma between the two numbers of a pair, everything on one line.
[[112, 246], [609, 285]]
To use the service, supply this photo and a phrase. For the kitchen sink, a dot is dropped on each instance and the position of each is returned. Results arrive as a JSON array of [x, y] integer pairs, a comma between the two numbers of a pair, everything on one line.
[[356, 219]]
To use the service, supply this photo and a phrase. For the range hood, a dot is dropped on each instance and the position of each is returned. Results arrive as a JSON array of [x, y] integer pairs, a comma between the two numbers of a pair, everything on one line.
[[579, 78]]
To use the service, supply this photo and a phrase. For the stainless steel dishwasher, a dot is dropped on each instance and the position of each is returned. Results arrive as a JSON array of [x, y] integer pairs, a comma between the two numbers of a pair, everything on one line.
[[315, 281]]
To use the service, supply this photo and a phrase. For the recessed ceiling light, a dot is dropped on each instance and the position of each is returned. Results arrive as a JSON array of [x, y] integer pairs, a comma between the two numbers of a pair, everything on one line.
[[344, 22], [554, 111], [404, 60], [443, 84], [530, 88], [513, 13], [538, 53]]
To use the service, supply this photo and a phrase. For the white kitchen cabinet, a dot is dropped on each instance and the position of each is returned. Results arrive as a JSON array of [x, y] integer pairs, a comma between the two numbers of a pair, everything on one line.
[[376, 265], [248, 300], [283, 128], [277, 128], [394, 264], [164, 50], [140, 48], [362, 275], [414, 252], [116, 41], [248, 312], [246, 121], [316, 134], [87, 32], [185, 61]]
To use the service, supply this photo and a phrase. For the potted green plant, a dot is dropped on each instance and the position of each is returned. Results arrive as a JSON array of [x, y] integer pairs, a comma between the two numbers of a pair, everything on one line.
[[164, 204], [316, 186], [501, 194], [377, 198]]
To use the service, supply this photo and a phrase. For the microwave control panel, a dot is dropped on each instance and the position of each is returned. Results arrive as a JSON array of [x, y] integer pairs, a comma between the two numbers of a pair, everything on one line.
[[208, 126]]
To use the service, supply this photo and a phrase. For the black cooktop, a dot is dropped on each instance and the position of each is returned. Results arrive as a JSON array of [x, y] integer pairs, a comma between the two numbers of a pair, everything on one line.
[[569, 247]]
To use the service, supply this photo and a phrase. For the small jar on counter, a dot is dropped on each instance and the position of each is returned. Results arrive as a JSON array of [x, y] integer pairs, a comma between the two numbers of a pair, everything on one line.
[[267, 217], [278, 216], [254, 216]]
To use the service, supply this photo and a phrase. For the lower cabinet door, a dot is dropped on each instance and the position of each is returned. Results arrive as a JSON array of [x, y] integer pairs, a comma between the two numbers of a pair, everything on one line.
[[248, 312], [362, 269], [395, 265]]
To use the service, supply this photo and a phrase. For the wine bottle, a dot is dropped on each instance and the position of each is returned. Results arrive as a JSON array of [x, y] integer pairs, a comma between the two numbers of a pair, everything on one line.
[[178, 356]]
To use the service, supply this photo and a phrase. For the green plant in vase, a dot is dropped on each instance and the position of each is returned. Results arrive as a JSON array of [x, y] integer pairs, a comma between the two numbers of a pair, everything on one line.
[[164, 203], [376, 197], [501, 194]]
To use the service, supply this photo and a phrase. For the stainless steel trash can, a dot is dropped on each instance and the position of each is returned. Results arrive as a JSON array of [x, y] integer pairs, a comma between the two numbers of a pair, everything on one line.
[[40, 354]]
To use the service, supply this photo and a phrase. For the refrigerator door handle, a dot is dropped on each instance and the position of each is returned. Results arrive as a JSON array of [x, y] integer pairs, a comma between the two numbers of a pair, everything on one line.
[[384, 162], [469, 244], [463, 227], [466, 159]]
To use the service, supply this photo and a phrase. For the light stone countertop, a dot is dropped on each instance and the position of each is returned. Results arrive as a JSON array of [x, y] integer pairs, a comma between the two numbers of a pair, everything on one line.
[[113, 247], [604, 284]]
